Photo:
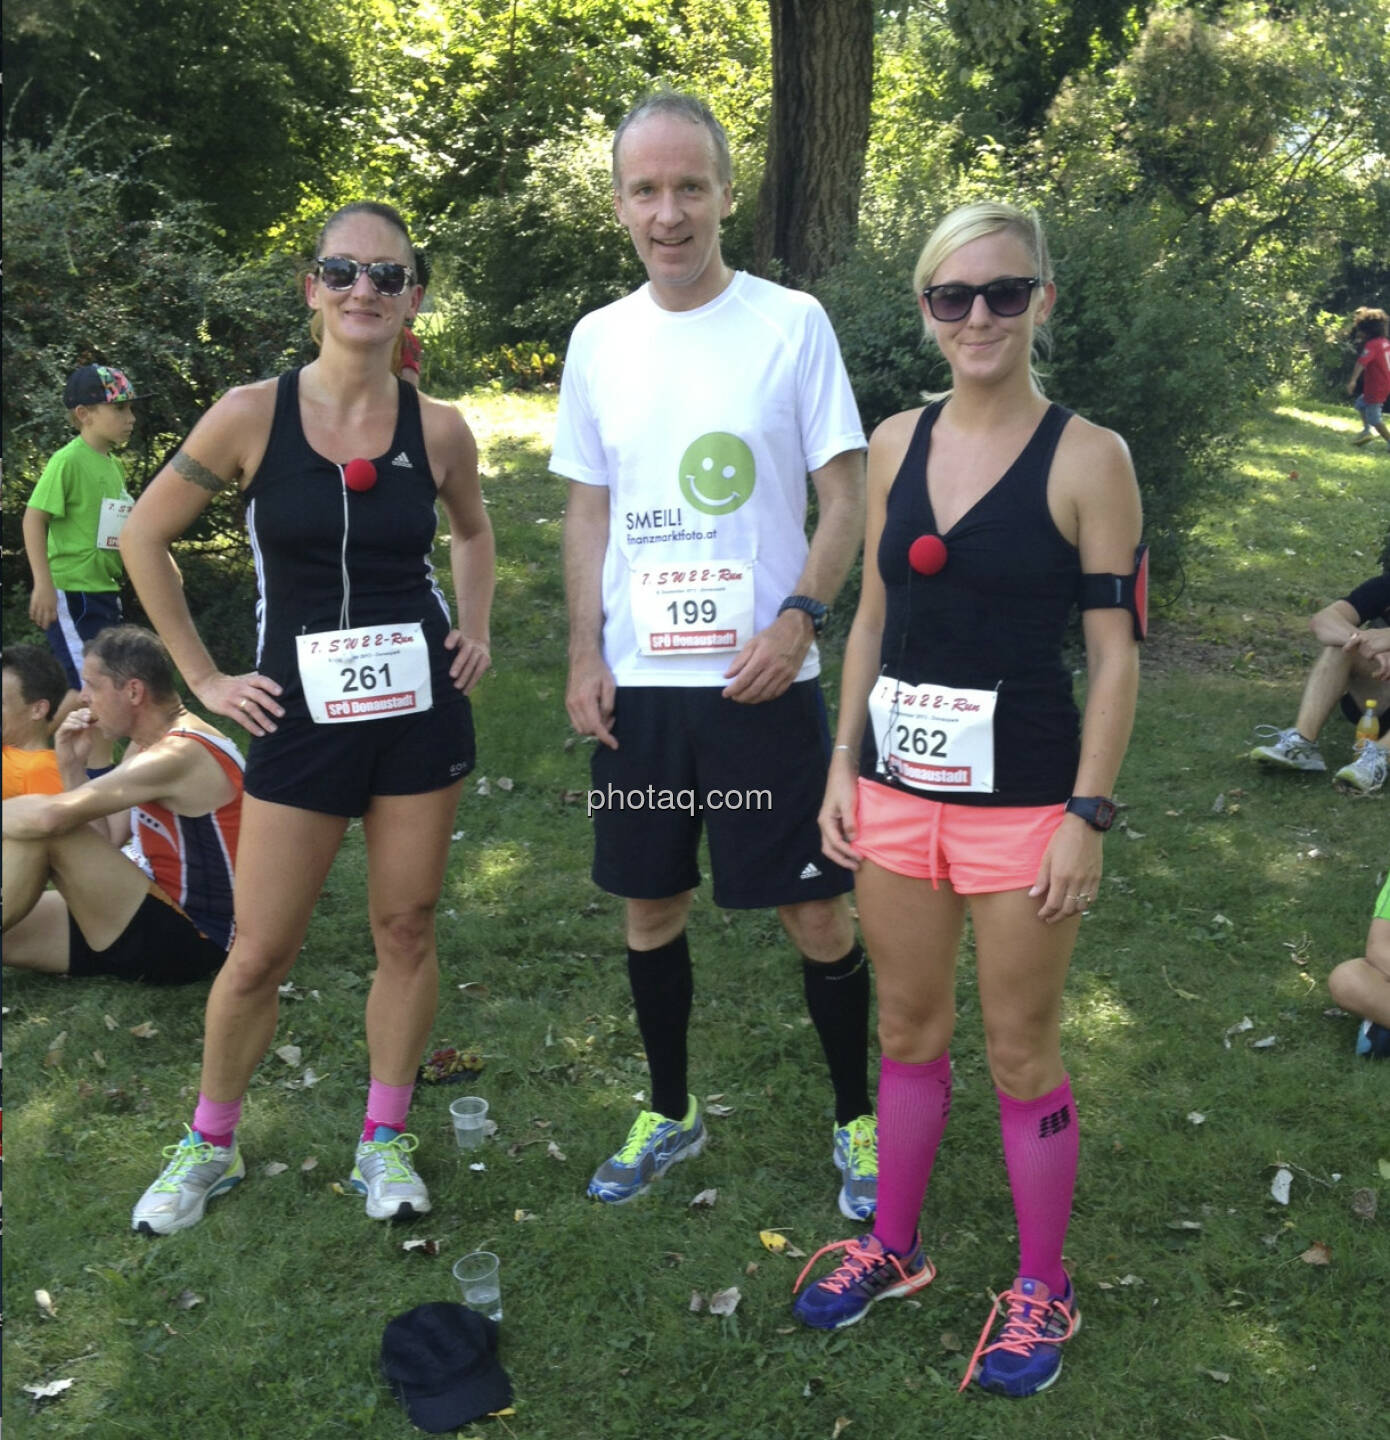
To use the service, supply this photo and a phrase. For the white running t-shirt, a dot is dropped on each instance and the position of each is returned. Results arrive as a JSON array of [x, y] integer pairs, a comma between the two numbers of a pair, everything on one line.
[[704, 425]]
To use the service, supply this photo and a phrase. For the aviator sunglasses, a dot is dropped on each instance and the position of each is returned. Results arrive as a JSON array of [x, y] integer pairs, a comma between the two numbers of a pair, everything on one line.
[[339, 273], [1007, 296]]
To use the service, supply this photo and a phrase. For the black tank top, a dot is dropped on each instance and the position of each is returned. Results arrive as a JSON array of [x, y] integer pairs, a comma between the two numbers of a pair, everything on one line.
[[993, 617], [330, 558]]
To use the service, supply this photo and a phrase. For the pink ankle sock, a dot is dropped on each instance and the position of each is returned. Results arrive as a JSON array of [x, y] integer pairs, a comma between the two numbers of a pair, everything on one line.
[[914, 1102], [386, 1105], [216, 1120], [1040, 1148]]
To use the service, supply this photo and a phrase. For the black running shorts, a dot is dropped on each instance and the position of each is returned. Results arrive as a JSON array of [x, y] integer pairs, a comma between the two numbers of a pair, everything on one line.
[[337, 769], [751, 775], [160, 946]]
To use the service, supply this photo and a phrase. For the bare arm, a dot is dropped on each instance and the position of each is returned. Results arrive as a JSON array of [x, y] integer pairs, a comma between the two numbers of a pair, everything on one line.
[[472, 551], [1335, 624], [214, 457], [149, 775], [1109, 523], [1355, 376], [43, 601], [861, 664], [590, 693], [769, 662]]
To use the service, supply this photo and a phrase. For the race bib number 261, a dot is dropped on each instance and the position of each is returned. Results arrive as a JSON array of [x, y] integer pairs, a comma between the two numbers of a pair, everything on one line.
[[365, 674]]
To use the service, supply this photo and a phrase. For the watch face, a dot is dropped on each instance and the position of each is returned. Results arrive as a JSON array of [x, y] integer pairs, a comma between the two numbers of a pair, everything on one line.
[[1105, 814]]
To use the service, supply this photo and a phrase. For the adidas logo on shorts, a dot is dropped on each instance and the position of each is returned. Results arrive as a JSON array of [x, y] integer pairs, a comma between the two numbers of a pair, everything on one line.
[[402, 460], [810, 872]]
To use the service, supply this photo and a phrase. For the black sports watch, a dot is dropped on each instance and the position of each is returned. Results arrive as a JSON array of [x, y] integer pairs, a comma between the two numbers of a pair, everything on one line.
[[815, 610], [1096, 810]]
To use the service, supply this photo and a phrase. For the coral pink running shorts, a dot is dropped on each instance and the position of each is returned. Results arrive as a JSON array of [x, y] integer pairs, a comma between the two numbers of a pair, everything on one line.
[[979, 849]]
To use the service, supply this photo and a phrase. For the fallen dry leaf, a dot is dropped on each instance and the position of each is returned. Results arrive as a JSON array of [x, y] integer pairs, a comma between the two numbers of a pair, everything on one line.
[[725, 1302], [109, 1021], [187, 1299], [99, 1059], [505, 783], [697, 1302], [54, 1055], [289, 1054], [1384, 1167], [705, 1198], [520, 1215], [47, 1392], [719, 1111], [1363, 1204], [146, 1030], [425, 1247], [1222, 1377], [1283, 1181], [311, 1163], [482, 787], [276, 1167], [45, 1303], [773, 1241], [752, 1268], [1240, 1027], [1196, 1117], [949, 1340], [1317, 1254], [554, 1151]]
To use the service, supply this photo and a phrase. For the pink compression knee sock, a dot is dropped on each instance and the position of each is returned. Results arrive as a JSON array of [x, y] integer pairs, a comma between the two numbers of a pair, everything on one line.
[[216, 1120], [1040, 1149], [386, 1105], [914, 1102]]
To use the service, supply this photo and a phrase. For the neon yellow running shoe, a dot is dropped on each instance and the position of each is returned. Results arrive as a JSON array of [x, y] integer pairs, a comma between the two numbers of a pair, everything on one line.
[[653, 1145]]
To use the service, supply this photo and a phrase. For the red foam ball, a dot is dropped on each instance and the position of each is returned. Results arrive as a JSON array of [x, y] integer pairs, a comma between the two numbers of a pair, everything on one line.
[[927, 554], [359, 475]]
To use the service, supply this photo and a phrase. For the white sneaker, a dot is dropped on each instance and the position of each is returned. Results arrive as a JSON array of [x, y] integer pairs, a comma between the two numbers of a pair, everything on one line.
[[1366, 773], [384, 1174], [1287, 749], [195, 1173]]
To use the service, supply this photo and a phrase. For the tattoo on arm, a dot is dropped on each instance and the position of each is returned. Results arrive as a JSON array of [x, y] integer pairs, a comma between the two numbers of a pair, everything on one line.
[[190, 469]]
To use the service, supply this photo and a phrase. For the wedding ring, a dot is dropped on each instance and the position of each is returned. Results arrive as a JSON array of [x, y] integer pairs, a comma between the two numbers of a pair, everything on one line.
[[242, 703]]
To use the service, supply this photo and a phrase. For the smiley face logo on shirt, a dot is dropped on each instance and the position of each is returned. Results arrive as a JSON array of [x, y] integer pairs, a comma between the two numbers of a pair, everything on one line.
[[716, 473]]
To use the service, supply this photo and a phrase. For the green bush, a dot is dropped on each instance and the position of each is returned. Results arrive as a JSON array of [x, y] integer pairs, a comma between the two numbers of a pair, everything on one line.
[[156, 297]]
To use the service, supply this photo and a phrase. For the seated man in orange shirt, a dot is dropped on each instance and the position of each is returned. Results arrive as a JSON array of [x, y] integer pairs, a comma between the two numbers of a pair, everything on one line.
[[33, 688], [177, 791]]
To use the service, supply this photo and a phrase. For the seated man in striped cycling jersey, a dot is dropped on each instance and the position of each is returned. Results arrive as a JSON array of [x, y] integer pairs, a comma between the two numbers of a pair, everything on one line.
[[176, 793]]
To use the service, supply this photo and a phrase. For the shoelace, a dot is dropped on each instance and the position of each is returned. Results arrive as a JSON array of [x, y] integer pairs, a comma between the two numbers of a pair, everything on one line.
[[393, 1153], [1025, 1324], [182, 1158], [863, 1150], [858, 1261], [643, 1128]]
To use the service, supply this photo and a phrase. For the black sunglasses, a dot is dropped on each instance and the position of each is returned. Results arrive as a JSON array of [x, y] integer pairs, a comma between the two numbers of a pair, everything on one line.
[[339, 273], [1007, 296]]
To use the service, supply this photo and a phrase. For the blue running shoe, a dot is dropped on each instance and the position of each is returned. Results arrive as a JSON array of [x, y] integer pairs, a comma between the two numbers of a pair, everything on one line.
[[866, 1274], [653, 1145], [1373, 1040], [1027, 1356], [856, 1158]]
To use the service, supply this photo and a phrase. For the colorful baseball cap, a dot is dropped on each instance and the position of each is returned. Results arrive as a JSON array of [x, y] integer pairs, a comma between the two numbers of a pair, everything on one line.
[[97, 385]]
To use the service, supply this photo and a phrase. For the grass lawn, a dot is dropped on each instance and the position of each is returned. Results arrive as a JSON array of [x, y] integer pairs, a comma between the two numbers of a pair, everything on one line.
[[1229, 893]]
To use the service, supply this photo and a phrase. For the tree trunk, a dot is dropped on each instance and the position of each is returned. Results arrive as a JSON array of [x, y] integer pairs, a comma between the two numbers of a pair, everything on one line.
[[822, 91]]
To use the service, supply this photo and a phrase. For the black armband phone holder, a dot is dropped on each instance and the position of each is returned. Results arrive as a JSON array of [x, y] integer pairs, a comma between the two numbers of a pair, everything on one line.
[[1122, 592]]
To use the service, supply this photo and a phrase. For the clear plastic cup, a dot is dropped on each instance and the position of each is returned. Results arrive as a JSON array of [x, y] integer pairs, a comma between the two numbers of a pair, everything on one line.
[[478, 1279], [469, 1114]]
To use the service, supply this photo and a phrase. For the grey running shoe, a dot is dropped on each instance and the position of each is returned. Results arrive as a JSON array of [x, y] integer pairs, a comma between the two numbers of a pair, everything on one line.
[[653, 1145], [1366, 773], [384, 1174], [1287, 749], [195, 1173], [855, 1152]]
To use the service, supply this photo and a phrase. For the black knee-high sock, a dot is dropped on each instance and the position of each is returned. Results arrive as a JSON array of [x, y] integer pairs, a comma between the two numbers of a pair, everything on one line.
[[837, 997], [662, 987]]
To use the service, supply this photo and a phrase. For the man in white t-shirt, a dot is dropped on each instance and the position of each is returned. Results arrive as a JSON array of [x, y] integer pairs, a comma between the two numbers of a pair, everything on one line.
[[691, 413]]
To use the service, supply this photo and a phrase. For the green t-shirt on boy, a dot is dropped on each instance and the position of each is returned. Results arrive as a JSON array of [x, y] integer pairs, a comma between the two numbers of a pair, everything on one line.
[[85, 493]]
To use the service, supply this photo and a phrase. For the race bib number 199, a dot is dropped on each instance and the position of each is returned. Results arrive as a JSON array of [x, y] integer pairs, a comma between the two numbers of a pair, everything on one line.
[[701, 608], [365, 674], [932, 737]]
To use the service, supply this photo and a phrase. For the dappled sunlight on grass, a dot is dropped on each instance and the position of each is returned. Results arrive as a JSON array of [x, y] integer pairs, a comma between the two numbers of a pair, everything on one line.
[[1328, 419]]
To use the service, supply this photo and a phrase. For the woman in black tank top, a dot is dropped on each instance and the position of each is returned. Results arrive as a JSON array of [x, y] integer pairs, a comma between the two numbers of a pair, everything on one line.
[[358, 704], [962, 775]]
